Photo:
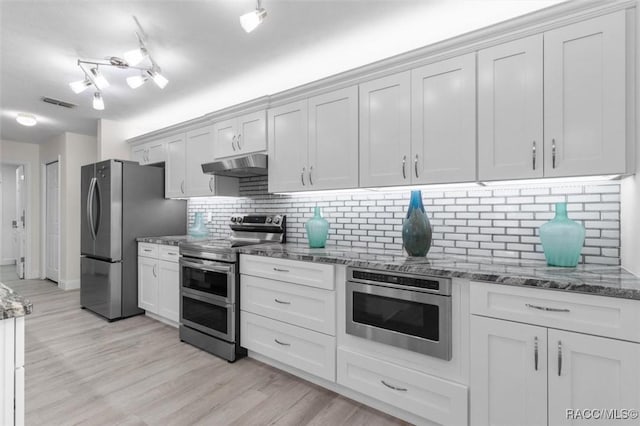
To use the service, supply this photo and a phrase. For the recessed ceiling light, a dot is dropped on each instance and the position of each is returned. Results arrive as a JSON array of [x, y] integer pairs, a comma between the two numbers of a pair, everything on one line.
[[26, 119]]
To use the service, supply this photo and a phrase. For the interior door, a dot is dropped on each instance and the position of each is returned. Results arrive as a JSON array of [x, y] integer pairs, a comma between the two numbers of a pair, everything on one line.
[[108, 208], [20, 218], [52, 222]]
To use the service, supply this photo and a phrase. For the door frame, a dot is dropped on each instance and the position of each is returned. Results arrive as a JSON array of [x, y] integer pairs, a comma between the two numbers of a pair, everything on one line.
[[43, 219], [28, 215]]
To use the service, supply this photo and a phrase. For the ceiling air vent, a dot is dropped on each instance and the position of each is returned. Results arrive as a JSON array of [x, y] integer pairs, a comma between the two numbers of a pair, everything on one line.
[[58, 102]]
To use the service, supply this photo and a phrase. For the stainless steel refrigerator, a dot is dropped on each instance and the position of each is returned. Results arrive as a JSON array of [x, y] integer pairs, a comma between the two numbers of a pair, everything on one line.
[[121, 200]]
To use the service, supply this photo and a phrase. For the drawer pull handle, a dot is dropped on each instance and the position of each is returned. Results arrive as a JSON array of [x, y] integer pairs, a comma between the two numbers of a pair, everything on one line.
[[545, 308], [559, 358], [281, 343], [280, 270], [282, 302], [172, 253], [148, 250], [393, 387], [535, 353]]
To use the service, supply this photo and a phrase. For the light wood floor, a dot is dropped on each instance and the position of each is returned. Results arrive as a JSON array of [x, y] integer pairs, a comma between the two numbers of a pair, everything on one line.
[[80, 369]]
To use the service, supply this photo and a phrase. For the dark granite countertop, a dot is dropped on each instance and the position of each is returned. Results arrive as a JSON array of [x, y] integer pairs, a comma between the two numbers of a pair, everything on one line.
[[172, 240], [13, 305], [613, 281]]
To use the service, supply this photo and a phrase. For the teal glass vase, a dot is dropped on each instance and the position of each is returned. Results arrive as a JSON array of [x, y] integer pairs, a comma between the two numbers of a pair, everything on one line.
[[562, 239], [317, 229], [416, 229], [199, 228]]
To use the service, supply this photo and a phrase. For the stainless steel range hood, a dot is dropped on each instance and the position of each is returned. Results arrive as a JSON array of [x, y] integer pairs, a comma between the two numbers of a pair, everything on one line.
[[247, 166]]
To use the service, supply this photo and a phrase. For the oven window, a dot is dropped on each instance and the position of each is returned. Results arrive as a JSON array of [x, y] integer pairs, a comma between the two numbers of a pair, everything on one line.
[[402, 316], [205, 314], [207, 281]]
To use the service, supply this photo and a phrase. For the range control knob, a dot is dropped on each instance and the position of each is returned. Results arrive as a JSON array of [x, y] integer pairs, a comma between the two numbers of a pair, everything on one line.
[[239, 219], [268, 219], [276, 220], [233, 219]]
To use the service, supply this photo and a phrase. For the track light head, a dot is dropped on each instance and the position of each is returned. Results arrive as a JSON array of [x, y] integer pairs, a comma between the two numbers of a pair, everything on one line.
[[250, 21], [98, 79], [136, 81], [160, 80], [98, 102], [134, 57], [80, 85]]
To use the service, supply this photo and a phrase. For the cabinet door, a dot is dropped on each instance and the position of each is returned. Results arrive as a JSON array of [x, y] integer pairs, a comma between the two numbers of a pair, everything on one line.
[[288, 147], [252, 132], [508, 378], [156, 151], [385, 131], [333, 140], [224, 144], [7, 370], [199, 147], [591, 372], [169, 290], [148, 284], [175, 167], [443, 121], [510, 131], [139, 154], [584, 97]]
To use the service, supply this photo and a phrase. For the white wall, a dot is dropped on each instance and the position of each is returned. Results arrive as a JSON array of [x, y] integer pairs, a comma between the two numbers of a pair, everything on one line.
[[28, 154], [112, 141], [8, 213]]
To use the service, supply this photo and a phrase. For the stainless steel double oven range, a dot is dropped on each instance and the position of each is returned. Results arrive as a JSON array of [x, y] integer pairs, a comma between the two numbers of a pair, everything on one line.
[[210, 284]]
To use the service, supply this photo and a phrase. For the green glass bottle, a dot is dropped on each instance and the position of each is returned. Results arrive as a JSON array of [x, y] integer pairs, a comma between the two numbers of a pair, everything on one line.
[[416, 229], [199, 228], [317, 229], [562, 239]]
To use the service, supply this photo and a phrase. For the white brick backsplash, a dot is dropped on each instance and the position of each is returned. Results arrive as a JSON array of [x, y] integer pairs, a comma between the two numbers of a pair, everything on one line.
[[490, 222]]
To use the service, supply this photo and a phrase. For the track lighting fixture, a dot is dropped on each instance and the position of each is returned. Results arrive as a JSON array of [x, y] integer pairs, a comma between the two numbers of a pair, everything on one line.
[[250, 21], [26, 119], [131, 60]]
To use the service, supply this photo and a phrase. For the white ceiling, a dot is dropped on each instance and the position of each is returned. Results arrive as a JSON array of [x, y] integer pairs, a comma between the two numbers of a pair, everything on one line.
[[209, 60]]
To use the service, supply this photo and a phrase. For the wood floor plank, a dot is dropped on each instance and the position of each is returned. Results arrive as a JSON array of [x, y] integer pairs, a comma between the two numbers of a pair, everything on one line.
[[83, 370]]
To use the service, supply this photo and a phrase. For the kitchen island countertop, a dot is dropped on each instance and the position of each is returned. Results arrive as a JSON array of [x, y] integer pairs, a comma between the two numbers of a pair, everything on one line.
[[612, 281], [12, 305]]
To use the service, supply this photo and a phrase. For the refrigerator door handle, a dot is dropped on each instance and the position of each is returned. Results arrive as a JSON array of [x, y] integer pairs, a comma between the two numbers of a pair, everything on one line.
[[99, 199], [92, 186]]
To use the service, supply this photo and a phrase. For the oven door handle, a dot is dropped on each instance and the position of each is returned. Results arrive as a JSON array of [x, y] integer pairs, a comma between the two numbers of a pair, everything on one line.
[[208, 266]]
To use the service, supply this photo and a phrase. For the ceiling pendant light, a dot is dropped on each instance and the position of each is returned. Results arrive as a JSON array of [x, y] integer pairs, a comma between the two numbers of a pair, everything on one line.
[[80, 85], [26, 119], [98, 79], [160, 80], [136, 81], [250, 21], [98, 102]]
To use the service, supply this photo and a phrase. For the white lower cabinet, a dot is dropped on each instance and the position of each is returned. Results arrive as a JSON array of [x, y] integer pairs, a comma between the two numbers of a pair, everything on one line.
[[531, 374], [159, 281], [438, 400], [12, 371]]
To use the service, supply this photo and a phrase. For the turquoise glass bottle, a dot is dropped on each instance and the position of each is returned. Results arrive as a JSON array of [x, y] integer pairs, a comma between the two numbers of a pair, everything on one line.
[[199, 228], [416, 229], [317, 229], [562, 239]]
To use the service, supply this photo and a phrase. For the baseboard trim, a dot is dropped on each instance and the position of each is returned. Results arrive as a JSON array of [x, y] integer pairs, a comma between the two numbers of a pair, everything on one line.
[[68, 284]]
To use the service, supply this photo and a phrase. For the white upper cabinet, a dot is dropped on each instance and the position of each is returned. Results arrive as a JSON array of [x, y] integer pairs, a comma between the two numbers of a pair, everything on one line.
[[199, 149], [584, 97], [240, 135], [443, 121], [288, 147], [175, 168], [333, 140], [510, 131], [150, 152], [385, 131]]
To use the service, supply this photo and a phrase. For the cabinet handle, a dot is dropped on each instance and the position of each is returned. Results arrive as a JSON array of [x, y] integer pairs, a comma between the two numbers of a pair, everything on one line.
[[404, 167], [280, 270], [559, 358], [182, 187], [304, 169], [211, 184], [148, 250], [281, 343], [233, 142], [238, 141], [415, 166], [553, 153], [170, 253], [535, 353], [310, 179], [545, 308], [393, 387], [154, 270], [282, 302], [533, 153]]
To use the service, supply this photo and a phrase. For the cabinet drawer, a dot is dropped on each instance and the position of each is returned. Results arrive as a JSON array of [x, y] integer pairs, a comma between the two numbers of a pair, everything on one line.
[[294, 271], [598, 315], [306, 350], [294, 304], [434, 399], [169, 253], [148, 250]]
